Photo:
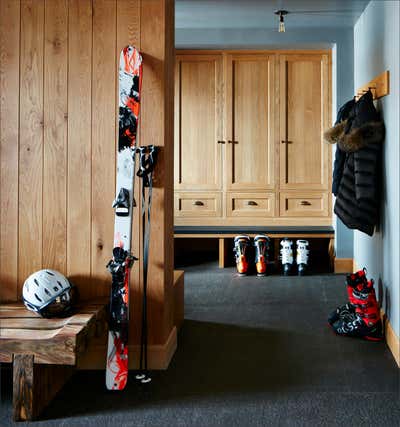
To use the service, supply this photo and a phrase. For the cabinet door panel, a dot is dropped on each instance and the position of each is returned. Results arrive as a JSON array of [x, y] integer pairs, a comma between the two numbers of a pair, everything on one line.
[[250, 122], [304, 114], [198, 122]]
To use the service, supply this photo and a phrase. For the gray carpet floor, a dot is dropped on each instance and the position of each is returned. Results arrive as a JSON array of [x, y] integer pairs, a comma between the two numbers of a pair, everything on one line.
[[252, 352]]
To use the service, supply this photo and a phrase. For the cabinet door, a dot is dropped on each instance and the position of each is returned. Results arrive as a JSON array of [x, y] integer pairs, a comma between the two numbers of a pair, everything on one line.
[[198, 122], [304, 114], [250, 122]]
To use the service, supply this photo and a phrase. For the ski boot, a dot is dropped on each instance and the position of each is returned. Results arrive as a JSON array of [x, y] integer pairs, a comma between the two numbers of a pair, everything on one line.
[[353, 281], [241, 247], [302, 257], [121, 203], [287, 256], [364, 321], [261, 245]]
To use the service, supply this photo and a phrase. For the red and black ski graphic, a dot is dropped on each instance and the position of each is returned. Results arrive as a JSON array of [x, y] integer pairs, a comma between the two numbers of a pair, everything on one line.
[[130, 76]]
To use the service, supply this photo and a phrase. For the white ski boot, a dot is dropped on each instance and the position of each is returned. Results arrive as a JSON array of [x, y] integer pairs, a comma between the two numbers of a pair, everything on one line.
[[302, 256], [286, 256]]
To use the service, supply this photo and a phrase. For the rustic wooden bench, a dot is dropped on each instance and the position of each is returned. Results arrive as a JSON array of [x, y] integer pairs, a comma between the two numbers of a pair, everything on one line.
[[44, 352], [223, 234]]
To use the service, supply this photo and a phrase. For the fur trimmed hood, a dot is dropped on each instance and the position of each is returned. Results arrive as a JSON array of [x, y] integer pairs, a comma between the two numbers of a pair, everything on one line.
[[356, 138]]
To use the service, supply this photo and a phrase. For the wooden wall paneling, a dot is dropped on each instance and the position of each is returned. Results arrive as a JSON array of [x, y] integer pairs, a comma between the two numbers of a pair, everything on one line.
[[103, 141], [79, 209], [31, 139], [9, 144], [55, 135], [157, 128], [128, 32], [170, 303]]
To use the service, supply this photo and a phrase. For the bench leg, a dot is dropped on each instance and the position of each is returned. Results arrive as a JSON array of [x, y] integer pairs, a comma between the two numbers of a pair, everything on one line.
[[331, 252], [34, 386], [222, 252]]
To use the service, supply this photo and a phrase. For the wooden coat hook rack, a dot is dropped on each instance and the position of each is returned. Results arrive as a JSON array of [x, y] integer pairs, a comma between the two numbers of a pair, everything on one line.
[[379, 86]]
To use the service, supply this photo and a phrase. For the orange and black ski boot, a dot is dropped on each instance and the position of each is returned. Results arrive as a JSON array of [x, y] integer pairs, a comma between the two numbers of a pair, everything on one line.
[[241, 249], [261, 246]]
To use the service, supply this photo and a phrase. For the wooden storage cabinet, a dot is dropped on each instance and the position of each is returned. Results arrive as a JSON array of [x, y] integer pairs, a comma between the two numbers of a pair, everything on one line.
[[248, 138]]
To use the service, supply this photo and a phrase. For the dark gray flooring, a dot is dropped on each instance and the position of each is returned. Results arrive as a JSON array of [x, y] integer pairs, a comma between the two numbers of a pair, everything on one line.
[[252, 352]]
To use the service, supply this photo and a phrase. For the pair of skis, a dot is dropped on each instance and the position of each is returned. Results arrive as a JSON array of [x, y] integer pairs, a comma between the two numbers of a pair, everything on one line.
[[130, 79]]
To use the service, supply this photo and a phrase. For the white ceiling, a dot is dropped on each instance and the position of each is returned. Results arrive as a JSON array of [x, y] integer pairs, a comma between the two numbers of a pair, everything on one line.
[[260, 13]]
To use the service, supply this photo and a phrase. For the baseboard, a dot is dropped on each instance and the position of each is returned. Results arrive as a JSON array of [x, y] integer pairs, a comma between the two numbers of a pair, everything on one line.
[[159, 356], [344, 265], [392, 340]]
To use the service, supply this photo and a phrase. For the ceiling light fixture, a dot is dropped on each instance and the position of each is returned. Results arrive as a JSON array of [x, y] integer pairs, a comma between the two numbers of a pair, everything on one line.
[[281, 14]]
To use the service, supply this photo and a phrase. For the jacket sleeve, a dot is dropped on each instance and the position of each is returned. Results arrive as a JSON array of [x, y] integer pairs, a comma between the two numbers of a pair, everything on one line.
[[340, 157], [366, 172]]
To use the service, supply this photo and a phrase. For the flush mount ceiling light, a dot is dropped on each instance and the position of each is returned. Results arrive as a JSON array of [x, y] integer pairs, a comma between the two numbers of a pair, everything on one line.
[[281, 14]]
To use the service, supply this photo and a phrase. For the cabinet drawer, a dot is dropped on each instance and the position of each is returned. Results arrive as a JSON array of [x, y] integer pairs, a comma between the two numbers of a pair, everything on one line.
[[250, 204], [197, 204], [303, 204]]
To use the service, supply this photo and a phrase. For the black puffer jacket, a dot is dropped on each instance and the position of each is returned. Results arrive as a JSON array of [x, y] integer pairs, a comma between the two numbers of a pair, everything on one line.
[[360, 137], [340, 155]]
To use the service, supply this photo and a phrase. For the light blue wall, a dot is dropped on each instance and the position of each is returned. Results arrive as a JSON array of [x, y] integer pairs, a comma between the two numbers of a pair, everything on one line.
[[376, 49], [341, 40]]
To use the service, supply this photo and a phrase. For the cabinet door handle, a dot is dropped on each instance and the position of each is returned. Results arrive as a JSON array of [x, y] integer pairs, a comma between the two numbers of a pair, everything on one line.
[[251, 203], [233, 142], [305, 203], [198, 203], [286, 142], [220, 142]]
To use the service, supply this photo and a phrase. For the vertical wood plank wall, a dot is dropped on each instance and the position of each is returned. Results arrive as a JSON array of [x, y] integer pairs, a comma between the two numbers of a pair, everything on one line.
[[58, 128]]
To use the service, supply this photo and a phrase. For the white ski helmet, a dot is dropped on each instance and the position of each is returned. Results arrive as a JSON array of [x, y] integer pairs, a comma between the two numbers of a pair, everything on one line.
[[48, 293]]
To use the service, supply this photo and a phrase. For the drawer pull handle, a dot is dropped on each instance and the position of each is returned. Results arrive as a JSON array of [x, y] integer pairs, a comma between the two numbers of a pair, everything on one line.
[[220, 142], [198, 203], [305, 203], [251, 203]]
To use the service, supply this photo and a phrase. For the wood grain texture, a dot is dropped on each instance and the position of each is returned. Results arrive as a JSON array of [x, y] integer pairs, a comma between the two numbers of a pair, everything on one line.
[[343, 265], [250, 117], [9, 147], [23, 387], [30, 256], [304, 88], [79, 212], [379, 85], [34, 386], [267, 97], [103, 142], [50, 341], [55, 135], [70, 48], [157, 128], [199, 120]]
